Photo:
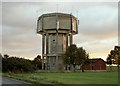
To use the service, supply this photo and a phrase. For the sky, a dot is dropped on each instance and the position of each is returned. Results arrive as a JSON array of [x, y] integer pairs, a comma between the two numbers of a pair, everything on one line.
[[97, 30]]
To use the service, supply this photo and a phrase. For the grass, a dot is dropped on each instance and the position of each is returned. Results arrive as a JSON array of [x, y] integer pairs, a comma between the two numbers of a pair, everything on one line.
[[42, 77]]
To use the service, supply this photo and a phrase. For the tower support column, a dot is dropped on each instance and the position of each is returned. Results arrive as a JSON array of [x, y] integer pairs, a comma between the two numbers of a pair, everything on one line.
[[46, 62], [43, 48], [67, 40], [71, 39], [57, 49]]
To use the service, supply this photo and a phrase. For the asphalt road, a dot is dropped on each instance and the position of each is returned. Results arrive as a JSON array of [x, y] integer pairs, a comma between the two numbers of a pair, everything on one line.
[[13, 82]]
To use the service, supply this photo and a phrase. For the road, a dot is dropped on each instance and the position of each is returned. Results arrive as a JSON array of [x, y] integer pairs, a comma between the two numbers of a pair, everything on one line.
[[13, 82]]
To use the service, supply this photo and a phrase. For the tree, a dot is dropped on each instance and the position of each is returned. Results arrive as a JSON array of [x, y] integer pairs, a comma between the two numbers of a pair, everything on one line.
[[76, 56], [117, 59], [6, 56], [117, 55], [82, 58], [70, 55], [114, 57], [38, 62], [109, 61], [0, 62]]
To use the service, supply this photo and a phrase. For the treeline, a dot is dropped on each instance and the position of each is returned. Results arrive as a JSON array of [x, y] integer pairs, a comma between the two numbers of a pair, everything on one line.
[[18, 65]]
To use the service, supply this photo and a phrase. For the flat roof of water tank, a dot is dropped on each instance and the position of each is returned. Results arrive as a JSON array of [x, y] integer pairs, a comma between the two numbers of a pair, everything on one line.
[[54, 14]]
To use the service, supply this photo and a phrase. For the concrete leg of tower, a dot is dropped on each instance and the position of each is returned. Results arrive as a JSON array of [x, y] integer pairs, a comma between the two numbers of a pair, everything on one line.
[[67, 40], [71, 39], [43, 48], [46, 63], [42, 52], [43, 63]]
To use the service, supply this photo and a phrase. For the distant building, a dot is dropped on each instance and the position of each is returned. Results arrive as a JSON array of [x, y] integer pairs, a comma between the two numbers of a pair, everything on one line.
[[96, 64]]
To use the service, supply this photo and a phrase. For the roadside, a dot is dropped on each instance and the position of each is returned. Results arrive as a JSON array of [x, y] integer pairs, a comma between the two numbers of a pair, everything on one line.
[[6, 81]]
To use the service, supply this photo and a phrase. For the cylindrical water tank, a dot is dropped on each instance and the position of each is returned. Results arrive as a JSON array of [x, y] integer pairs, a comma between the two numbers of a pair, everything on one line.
[[59, 21]]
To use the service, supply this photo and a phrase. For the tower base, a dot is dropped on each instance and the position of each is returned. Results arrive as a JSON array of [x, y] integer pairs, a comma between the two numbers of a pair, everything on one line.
[[54, 63]]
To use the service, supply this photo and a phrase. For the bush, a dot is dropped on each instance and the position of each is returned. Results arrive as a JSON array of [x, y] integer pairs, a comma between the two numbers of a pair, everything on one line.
[[14, 64]]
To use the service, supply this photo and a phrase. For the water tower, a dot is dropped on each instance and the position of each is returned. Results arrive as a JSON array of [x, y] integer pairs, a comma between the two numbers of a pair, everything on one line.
[[57, 30]]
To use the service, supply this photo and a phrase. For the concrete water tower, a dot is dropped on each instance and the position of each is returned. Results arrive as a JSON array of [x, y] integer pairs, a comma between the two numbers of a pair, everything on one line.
[[57, 30]]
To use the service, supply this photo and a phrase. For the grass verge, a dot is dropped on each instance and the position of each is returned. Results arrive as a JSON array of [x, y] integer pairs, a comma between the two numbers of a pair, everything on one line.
[[42, 77]]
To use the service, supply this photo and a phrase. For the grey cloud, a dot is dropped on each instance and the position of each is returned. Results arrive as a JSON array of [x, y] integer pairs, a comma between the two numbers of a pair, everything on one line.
[[98, 20], [19, 41], [18, 15], [26, 40]]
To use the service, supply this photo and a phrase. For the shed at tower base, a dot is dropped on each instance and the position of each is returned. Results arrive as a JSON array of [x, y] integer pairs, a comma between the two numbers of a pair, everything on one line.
[[57, 30]]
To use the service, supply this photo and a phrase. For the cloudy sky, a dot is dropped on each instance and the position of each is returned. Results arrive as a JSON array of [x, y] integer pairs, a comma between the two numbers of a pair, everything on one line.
[[97, 32]]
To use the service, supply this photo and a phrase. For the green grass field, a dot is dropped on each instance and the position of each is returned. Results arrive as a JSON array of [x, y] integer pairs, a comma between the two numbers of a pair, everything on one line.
[[68, 77]]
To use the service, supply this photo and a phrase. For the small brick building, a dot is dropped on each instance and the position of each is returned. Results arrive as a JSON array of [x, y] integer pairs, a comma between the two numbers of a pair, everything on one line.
[[95, 64]]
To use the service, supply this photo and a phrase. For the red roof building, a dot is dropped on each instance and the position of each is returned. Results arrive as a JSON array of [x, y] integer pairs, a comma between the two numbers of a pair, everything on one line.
[[95, 64]]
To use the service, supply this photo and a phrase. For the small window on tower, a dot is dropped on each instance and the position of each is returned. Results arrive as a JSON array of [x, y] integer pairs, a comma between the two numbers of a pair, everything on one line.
[[53, 41]]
